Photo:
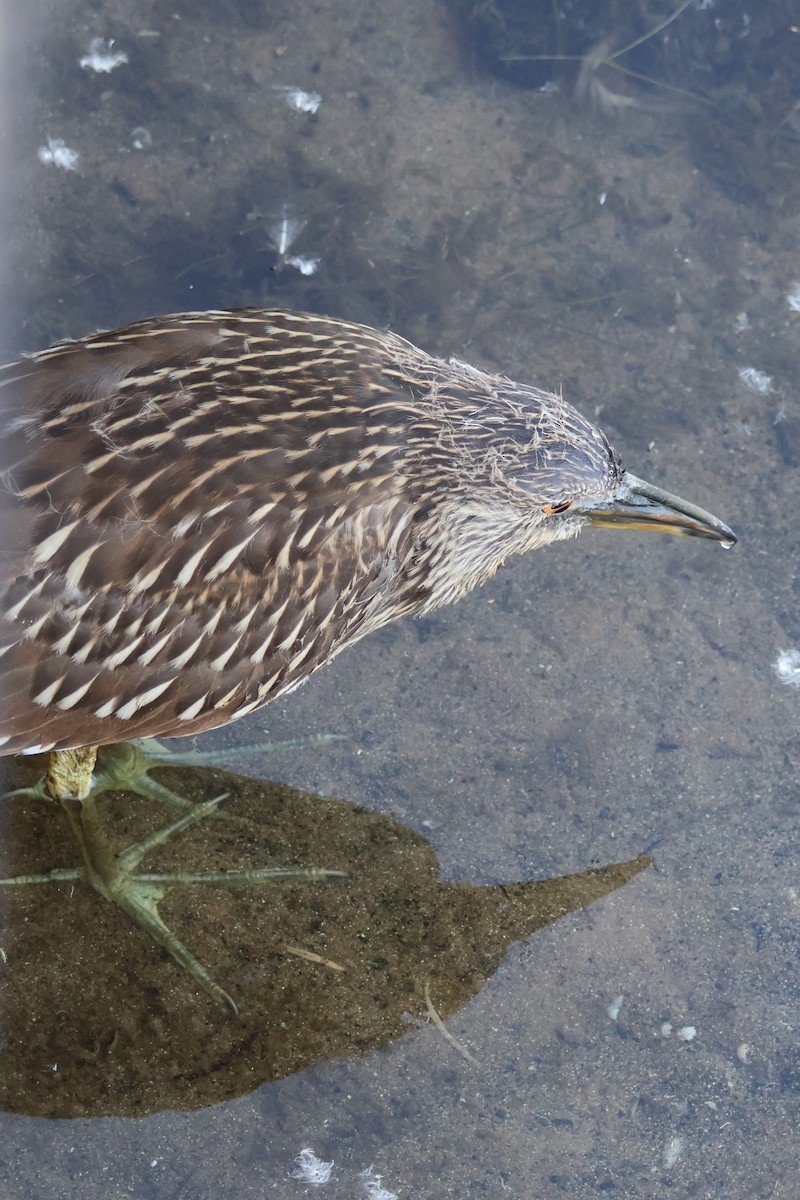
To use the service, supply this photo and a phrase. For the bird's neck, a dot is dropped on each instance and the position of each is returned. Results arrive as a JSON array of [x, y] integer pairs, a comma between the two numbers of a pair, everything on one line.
[[478, 541]]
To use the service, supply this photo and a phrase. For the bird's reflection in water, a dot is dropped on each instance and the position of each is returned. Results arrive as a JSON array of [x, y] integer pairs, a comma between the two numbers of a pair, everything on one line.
[[98, 1020]]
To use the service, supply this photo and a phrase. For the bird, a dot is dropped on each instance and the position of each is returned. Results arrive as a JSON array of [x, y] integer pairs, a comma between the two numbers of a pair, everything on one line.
[[199, 510]]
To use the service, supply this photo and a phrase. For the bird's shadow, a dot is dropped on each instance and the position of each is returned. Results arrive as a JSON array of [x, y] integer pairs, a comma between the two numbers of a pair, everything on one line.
[[98, 1020]]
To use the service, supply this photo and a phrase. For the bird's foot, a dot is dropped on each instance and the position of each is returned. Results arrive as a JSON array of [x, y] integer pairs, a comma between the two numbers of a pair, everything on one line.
[[139, 894], [126, 767]]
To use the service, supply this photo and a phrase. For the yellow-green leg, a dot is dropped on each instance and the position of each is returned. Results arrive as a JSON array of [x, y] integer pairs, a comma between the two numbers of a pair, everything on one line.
[[126, 767], [114, 876]]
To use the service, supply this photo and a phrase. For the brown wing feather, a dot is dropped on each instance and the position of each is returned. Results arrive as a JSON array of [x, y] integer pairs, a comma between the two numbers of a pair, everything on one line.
[[196, 512]]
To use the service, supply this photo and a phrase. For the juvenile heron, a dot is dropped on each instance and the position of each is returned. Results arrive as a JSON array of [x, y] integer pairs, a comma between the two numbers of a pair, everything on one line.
[[200, 510]]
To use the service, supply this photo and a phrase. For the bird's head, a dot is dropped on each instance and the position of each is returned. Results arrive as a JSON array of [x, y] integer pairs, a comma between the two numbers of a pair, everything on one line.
[[525, 469]]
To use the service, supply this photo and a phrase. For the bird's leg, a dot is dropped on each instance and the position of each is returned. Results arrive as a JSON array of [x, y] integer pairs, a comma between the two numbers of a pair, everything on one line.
[[114, 875], [110, 875], [139, 895], [69, 773], [126, 767]]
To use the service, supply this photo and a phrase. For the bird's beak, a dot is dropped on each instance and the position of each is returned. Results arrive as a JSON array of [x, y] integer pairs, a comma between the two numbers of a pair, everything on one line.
[[640, 505]]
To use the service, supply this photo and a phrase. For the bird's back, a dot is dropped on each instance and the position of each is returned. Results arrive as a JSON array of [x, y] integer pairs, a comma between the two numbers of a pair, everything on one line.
[[197, 511]]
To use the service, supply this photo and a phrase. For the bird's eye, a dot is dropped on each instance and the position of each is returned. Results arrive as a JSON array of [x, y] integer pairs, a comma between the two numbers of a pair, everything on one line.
[[557, 508]]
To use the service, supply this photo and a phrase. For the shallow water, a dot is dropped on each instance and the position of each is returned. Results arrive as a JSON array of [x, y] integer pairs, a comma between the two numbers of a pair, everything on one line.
[[608, 698]]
